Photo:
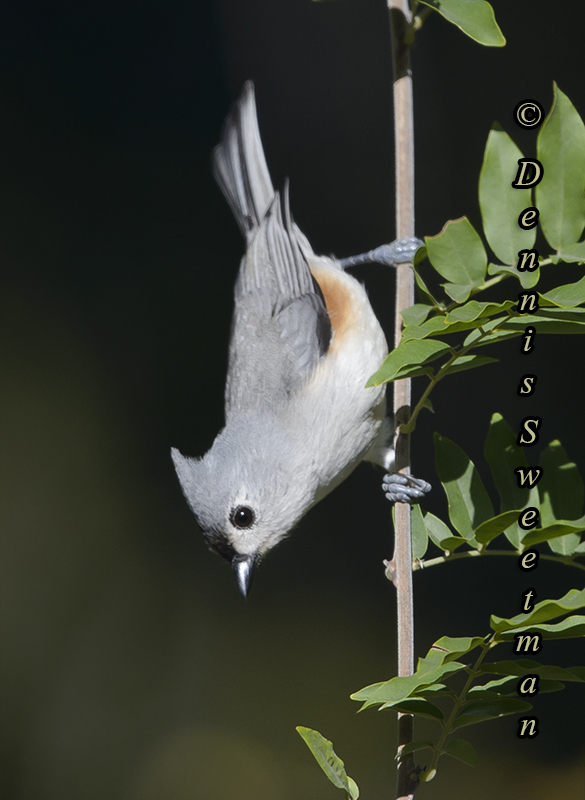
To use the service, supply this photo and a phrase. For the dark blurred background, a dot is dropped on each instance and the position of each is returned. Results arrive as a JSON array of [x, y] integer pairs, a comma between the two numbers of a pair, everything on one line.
[[131, 668]]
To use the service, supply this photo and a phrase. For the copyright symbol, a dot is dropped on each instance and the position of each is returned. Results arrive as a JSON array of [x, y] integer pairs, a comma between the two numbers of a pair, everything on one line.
[[528, 114]]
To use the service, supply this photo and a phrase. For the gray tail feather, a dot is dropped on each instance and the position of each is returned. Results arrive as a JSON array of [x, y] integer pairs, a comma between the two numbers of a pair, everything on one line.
[[239, 165]]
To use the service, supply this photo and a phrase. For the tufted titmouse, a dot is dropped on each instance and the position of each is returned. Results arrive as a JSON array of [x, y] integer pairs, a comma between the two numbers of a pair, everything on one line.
[[304, 342]]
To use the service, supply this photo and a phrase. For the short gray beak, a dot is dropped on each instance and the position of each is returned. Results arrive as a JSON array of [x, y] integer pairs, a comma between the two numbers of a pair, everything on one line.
[[244, 567]]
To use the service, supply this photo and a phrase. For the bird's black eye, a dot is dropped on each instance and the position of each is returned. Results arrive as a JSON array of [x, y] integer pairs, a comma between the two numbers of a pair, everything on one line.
[[242, 517]]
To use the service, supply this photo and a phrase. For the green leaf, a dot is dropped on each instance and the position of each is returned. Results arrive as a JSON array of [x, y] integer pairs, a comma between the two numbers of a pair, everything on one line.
[[441, 534], [563, 530], [435, 690], [489, 333], [548, 321], [542, 612], [527, 279], [567, 296], [570, 254], [524, 666], [561, 493], [576, 314], [420, 539], [434, 325], [464, 363], [504, 687], [475, 310], [413, 372], [457, 291], [422, 287], [416, 314], [545, 686], [560, 196], [481, 710], [570, 628], [412, 747], [503, 456], [561, 487], [437, 326], [501, 687], [418, 706], [458, 254], [420, 255], [451, 648], [409, 353], [469, 503], [474, 17], [461, 749], [397, 689], [500, 203], [328, 760], [491, 528], [443, 324], [481, 338]]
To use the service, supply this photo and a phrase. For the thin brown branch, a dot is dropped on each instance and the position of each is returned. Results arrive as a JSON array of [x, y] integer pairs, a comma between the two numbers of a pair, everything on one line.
[[401, 33]]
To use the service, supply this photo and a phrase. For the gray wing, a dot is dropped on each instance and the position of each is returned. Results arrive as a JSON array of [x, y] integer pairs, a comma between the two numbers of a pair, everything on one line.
[[281, 328]]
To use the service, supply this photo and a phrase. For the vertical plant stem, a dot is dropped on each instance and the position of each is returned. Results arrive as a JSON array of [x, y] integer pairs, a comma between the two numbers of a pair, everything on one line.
[[400, 21]]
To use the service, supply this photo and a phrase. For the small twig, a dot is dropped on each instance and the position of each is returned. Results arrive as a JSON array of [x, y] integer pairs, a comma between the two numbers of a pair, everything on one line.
[[473, 672], [432, 562], [503, 276], [442, 373]]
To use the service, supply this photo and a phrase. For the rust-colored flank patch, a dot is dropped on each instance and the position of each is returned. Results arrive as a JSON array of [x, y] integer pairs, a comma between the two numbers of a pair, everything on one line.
[[338, 301]]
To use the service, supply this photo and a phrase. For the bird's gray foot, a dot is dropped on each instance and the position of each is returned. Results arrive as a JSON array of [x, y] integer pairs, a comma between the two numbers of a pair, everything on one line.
[[404, 488], [401, 251]]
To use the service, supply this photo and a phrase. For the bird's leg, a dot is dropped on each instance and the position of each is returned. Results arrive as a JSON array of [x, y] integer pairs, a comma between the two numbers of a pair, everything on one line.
[[401, 251], [397, 487], [400, 488]]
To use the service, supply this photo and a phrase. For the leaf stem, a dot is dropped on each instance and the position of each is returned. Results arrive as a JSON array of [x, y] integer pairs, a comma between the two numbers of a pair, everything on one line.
[[433, 381], [442, 373], [503, 276], [421, 17], [432, 562], [485, 647], [491, 282]]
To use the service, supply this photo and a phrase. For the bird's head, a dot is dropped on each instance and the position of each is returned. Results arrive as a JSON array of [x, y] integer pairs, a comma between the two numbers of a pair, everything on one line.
[[244, 503]]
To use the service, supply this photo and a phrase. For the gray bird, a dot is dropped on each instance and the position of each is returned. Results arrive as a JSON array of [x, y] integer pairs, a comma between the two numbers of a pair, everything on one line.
[[304, 341]]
